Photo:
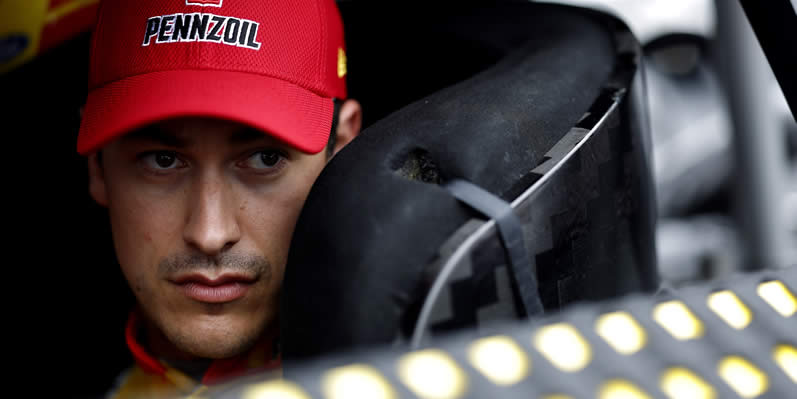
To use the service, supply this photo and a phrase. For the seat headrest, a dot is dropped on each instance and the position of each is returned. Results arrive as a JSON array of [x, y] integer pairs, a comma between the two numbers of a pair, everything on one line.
[[377, 217]]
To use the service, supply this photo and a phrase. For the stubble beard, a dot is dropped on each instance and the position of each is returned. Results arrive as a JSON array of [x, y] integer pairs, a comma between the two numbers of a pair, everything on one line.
[[220, 335]]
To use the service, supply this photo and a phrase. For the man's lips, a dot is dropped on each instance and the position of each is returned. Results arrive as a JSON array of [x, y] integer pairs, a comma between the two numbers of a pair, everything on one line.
[[221, 289], [213, 281]]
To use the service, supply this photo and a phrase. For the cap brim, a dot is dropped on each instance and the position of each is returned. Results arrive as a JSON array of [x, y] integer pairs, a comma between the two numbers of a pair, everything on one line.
[[291, 114]]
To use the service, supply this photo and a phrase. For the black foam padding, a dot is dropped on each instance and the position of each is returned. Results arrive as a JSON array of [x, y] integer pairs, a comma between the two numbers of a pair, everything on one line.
[[371, 225]]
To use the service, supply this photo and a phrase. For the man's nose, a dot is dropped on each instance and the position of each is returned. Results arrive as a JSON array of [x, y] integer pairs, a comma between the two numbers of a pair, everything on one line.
[[212, 225]]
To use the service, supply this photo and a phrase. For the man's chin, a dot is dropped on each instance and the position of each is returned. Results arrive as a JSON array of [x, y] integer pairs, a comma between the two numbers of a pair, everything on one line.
[[214, 336], [216, 349]]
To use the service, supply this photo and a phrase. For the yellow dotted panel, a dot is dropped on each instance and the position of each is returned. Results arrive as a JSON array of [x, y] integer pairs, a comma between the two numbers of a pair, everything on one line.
[[777, 295], [786, 357], [500, 359], [745, 378], [678, 320], [622, 332], [680, 383], [621, 389], [357, 381], [563, 346], [730, 308], [278, 389], [432, 374]]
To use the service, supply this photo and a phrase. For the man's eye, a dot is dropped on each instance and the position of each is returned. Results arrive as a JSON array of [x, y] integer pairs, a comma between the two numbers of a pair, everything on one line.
[[265, 160], [161, 160]]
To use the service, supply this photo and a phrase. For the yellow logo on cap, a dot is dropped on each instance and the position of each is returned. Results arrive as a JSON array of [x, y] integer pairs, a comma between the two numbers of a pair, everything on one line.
[[341, 63]]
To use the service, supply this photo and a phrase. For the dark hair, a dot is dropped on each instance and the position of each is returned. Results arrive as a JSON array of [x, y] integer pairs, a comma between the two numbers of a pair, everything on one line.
[[333, 133]]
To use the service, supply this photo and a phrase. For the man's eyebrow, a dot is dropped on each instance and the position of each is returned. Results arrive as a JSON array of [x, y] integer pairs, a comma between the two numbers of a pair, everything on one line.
[[154, 134], [248, 135]]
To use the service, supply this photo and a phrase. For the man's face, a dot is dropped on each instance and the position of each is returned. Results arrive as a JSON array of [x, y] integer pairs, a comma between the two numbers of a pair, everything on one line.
[[202, 213]]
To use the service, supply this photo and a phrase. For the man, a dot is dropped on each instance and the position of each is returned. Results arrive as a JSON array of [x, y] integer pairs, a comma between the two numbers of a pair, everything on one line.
[[206, 124]]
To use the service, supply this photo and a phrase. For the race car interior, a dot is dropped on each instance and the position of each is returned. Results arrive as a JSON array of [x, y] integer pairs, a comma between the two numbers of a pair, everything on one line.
[[505, 173]]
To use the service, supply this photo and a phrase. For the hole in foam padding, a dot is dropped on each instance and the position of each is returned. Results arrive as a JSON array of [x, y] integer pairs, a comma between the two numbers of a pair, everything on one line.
[[418, 165]]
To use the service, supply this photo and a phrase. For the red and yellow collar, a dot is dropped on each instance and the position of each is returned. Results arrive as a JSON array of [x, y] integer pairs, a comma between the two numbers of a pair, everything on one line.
[[261, 358]]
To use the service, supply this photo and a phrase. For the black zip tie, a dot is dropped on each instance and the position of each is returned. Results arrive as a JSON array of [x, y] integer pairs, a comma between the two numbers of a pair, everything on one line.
[[510, 232]]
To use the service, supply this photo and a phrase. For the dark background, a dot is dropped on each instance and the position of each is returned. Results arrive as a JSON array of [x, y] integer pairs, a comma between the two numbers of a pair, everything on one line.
[[69, 333]]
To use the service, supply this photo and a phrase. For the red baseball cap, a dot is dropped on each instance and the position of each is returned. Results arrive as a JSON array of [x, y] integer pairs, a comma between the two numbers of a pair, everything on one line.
[[274, 65]]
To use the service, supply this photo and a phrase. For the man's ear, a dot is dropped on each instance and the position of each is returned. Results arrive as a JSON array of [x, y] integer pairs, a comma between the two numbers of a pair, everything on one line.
[[350, 120], [97, 187]]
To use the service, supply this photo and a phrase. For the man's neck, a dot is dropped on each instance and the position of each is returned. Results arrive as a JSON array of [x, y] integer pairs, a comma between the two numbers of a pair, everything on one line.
[[159, 346], [156, 354]]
